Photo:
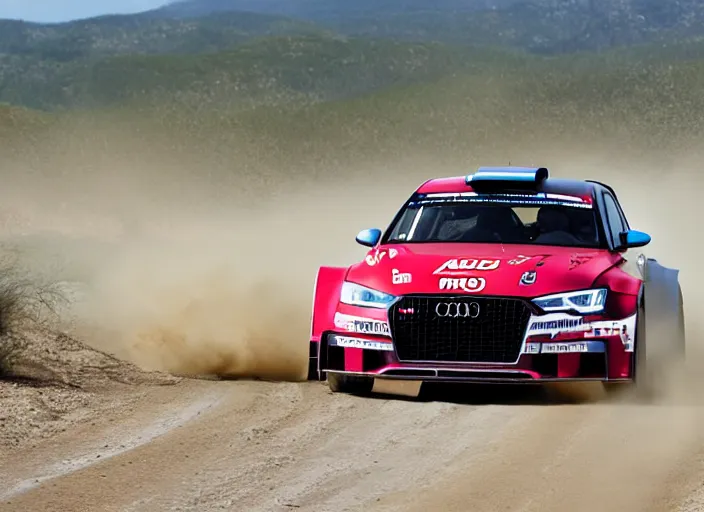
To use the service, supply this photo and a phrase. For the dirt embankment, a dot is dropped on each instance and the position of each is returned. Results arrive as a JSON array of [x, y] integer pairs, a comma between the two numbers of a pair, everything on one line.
[[59, 381]]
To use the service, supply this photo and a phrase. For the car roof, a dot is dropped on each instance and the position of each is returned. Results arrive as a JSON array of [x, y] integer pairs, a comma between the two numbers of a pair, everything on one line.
[[457, 184]]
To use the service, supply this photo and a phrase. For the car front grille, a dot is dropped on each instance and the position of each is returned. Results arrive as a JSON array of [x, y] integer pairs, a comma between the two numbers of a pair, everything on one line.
[[458, 328]]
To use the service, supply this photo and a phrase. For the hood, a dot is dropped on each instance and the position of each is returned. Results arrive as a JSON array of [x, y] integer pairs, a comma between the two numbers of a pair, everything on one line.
[[482, 269]]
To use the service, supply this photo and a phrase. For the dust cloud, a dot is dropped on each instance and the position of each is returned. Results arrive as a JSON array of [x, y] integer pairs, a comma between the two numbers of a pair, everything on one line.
[[221, 296], [192, 285]]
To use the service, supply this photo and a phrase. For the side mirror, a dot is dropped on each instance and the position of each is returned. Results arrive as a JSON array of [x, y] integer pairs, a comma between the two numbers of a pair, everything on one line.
[[369, 237], [633, 238]]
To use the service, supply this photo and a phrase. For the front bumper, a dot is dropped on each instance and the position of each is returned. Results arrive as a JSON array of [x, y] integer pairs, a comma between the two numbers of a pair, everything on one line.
[[594, 351]]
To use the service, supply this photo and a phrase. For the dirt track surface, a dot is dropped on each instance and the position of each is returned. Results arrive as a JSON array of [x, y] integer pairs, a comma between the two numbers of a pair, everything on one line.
[[204, 445]]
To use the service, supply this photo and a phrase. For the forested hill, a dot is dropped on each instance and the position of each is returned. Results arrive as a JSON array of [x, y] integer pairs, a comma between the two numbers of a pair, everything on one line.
[[539, 25], [209, 25]]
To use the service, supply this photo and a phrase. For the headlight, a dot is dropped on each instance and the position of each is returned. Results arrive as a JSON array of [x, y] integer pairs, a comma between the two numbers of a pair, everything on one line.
[[585, 301], [358, 295]]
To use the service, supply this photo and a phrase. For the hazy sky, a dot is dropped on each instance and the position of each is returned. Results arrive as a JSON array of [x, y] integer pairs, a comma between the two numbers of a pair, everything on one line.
[[64, 10]]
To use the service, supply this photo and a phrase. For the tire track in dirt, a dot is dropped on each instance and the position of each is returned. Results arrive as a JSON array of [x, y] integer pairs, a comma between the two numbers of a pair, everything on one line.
[[161, 469], [348, 450], [609, 456], [275, 446], [110, 444], [280, 446], [157, 413]]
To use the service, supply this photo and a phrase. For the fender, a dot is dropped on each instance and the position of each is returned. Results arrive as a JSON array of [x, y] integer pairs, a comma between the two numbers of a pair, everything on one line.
[[328, 285], [624, 291], [662, 289], [662, 305], [326, 294]]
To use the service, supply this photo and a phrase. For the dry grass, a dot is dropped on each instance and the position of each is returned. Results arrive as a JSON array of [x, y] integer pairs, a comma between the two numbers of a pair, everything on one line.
[[25, 301]]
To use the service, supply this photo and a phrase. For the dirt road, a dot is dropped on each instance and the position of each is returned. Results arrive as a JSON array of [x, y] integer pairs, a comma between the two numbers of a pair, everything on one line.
[[203, 445]]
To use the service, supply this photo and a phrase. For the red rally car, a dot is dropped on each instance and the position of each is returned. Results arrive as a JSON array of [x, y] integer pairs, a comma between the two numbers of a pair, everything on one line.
[[504, 276]]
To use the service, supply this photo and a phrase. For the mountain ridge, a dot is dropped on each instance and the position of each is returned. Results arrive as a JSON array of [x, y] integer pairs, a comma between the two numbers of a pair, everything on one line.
[[545, 26], [542, 26]]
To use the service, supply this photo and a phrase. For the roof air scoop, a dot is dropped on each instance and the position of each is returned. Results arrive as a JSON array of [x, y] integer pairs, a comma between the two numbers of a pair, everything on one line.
[[507, 178]]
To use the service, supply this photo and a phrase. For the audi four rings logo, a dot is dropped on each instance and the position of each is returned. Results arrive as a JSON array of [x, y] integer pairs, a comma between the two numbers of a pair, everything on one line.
[[457, 309]]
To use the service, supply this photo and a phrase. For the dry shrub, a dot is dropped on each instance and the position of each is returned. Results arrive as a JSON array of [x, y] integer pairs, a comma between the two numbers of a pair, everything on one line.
[[26, 301]]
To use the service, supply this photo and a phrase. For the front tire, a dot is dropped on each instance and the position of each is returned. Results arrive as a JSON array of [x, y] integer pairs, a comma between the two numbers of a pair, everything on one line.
[[353, 384]]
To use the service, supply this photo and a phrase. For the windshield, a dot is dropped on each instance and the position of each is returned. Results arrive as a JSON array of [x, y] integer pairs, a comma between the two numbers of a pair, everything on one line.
[[566, 221]]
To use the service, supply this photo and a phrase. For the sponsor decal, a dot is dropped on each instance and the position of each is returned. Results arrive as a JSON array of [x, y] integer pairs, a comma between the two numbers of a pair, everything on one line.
[[623, 330], [520, 199], [346, 342], [375, 257], [565, 348], [570, 347], [496, 200], [532, 348], [454, 267], [361, 325], [578, 259], [558, 323], [466, 284], [562, 324], [528, 278], [555, 323], [400, 278], [457, 310], [626, 337], [520, 260], [594, 332]]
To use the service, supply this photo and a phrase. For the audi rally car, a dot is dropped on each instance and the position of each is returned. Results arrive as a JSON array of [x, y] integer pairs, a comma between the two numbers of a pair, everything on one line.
[[503, 276]]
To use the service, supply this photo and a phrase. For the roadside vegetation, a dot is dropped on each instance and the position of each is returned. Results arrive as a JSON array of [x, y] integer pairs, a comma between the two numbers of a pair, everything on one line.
[[26, 302]]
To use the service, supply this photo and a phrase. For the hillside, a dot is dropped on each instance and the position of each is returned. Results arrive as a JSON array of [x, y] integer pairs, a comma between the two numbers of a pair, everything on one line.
[[142, 34], [641, 98], [198, 26], [538, 25], [295, 70], [242, 52], [326, 10], [327, 75], [273, 70]]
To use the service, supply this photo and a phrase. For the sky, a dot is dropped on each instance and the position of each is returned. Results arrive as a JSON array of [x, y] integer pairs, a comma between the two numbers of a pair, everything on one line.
[[49, 11]]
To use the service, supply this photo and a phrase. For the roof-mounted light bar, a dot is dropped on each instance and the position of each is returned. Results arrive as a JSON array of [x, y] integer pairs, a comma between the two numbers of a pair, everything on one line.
[[509, 178]]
